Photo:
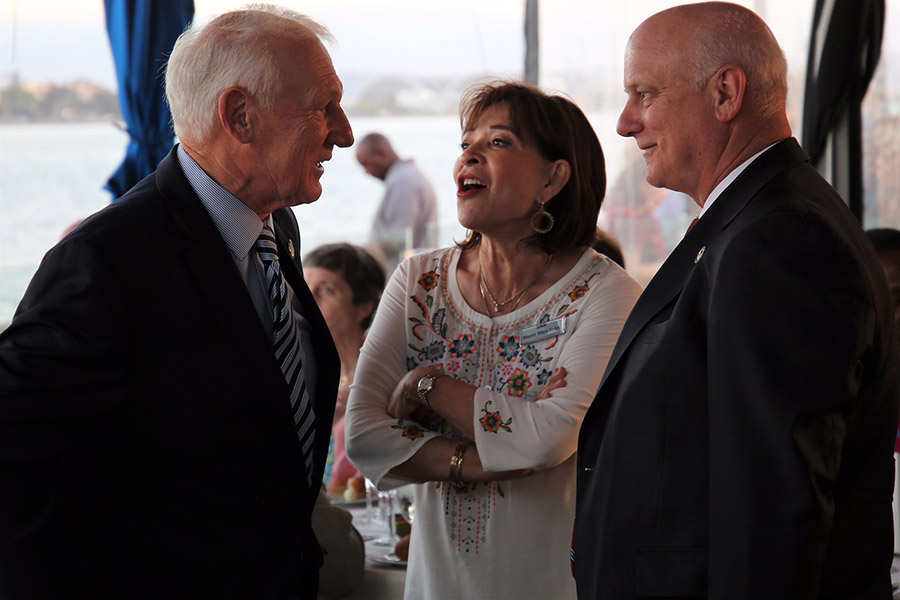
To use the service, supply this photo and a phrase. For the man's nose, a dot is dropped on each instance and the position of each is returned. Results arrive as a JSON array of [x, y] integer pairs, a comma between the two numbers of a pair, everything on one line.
[[627, 125], [341, 132]]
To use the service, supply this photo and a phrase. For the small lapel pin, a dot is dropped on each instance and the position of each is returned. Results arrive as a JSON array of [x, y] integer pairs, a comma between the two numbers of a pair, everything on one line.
[[291, 248], [696, 260]]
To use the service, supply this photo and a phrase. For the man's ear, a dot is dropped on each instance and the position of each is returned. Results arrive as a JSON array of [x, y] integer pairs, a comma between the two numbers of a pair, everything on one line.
[[235, 115], [560, 172], [729, 84]]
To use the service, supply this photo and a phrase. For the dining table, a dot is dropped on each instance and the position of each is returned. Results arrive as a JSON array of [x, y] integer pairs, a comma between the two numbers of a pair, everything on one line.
[[384, 577]]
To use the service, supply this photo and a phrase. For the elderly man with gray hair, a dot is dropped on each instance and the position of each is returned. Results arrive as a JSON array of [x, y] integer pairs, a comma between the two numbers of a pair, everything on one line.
[[740, 444], [167, 384]]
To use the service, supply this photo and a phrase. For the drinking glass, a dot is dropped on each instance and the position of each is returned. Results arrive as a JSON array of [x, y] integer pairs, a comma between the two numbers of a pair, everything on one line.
[[386, 506], [370, 518]]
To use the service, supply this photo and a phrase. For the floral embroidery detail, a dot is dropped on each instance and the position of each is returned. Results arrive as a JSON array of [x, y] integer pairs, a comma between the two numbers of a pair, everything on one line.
[[422, 307], [578, 292], [410, 431], [465, 488], [462, 346], [437, 322], [417, 329], [530, 356], [492, 422], [432, 352], [438, 335], [420, 325], [508, 348], [429, 280], [435, 351], [519, 383], [544, 376]]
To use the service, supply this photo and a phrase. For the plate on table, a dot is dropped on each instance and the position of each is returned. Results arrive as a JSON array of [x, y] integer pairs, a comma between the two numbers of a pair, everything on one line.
[[348, 503], [391, 560]]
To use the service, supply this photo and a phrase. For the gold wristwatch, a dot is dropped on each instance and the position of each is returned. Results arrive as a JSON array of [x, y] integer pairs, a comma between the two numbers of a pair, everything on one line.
[[426, 384]]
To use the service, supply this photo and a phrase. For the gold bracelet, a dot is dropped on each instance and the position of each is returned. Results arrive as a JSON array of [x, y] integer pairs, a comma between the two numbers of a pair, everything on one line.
[[456, 462]]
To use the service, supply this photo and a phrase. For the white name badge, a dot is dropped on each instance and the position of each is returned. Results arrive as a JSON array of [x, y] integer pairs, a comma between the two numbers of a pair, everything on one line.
[[543, 331]]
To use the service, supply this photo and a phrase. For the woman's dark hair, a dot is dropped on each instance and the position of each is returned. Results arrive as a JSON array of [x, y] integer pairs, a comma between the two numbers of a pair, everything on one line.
[[884, 239], [362, 272], [606, 243], [558, 129]]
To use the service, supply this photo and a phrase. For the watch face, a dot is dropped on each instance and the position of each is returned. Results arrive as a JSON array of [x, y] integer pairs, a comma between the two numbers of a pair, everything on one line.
[[425, 384]]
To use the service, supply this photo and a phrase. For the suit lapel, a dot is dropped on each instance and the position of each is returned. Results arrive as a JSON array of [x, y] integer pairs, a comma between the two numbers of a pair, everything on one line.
[[224, 293], [672, 275], [220, 287]]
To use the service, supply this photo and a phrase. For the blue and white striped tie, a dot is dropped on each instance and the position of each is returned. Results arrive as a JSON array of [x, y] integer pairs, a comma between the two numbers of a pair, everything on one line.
[[287, 345]]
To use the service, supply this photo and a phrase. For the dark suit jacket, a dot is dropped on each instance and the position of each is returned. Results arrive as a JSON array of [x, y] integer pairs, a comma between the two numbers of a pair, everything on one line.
[[740, 444], [147, 446]]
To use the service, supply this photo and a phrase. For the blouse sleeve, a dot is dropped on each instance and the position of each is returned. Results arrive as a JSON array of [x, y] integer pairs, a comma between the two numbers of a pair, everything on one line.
[[512, 433], [377, 442]]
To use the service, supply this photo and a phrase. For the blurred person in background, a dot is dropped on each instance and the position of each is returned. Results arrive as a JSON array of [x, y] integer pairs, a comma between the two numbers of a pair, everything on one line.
[[408, 212], [347, 282], [886, 242]]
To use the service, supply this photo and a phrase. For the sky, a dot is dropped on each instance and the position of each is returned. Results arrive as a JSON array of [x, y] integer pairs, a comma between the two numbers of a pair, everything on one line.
[[65, 40]]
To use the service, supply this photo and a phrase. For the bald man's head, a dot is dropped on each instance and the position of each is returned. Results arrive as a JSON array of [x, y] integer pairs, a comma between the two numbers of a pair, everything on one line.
[[376, 155], [709, 35], [707, 89]]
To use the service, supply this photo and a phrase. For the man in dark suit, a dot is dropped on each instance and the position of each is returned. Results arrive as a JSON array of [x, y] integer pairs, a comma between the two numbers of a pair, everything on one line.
[[150, 445], [740, 443]]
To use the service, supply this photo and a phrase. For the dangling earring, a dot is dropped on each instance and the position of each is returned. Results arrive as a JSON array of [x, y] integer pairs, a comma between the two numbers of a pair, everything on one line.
[[542, 221]]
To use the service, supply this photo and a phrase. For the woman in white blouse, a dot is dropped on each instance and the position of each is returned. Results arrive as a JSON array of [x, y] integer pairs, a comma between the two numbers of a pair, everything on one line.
[[483, 358]]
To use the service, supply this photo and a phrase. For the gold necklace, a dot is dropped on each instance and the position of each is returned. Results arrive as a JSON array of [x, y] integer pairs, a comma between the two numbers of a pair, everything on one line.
[[498, 305]]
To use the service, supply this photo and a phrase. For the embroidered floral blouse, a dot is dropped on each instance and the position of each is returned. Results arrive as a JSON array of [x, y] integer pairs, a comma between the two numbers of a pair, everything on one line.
[[500, 539]]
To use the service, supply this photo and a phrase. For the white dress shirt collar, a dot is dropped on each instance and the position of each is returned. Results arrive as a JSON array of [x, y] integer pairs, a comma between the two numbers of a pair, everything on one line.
[[237, 223], [729, 179]]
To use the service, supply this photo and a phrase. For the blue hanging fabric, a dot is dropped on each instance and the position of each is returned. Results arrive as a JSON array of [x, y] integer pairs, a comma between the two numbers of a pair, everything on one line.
[[141, 35]]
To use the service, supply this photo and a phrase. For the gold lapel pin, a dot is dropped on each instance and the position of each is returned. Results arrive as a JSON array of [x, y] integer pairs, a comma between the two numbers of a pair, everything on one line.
[[291, 248], [699, 254]]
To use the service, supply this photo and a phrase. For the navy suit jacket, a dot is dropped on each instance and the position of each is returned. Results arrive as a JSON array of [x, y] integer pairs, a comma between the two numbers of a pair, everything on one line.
[[147, 445], [740, 443]]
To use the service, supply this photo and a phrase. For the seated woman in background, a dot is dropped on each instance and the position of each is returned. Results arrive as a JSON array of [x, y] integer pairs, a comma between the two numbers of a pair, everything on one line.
[[483, 358], [347, 282]]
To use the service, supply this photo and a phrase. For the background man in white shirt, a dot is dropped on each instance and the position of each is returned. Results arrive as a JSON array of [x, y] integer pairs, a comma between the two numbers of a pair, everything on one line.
[[407, 215]]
